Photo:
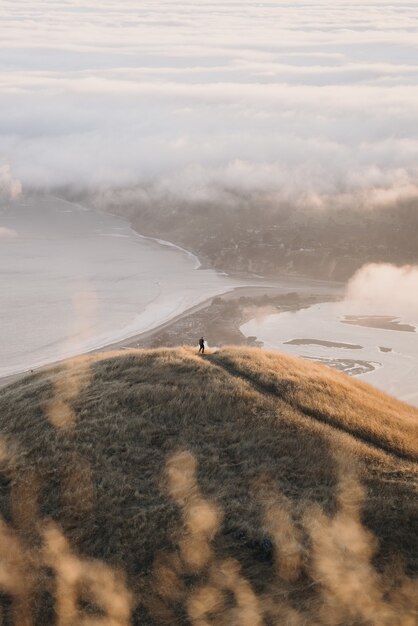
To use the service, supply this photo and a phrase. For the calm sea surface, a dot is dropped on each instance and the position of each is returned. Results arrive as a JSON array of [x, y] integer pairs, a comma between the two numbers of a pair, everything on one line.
[[73, 279]]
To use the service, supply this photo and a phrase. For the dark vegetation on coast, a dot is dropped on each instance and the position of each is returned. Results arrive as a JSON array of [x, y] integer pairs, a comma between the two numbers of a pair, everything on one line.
[[221, 319], [242, 488], [259, 235]]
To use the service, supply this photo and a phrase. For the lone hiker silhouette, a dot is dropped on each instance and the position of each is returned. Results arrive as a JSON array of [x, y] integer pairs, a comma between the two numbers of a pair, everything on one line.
[[201, 345]]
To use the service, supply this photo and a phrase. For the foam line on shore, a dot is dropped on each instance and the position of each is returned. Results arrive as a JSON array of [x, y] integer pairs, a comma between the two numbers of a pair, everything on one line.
[[170, 244], [146, 321]]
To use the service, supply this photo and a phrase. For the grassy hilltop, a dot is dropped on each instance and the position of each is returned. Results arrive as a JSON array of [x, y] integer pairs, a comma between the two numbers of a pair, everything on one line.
[[244, 488]]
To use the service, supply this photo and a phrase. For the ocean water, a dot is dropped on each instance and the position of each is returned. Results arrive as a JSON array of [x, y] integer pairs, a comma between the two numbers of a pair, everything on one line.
[[384, 357], [73, 279]]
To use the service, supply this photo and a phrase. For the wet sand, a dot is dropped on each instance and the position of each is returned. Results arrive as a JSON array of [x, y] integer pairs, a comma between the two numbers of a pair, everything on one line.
[[384, 322], [352, 367], [325, 344]]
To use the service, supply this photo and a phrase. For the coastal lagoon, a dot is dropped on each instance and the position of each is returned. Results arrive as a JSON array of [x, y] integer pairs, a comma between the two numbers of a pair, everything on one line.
[[380, 349], [74, 279]]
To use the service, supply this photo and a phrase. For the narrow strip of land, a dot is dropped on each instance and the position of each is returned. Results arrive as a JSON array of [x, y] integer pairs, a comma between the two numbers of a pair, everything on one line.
[[218, 318]]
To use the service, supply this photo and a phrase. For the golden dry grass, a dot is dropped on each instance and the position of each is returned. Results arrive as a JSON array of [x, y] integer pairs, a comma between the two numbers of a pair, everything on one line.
[[328, 396], [241, 488]]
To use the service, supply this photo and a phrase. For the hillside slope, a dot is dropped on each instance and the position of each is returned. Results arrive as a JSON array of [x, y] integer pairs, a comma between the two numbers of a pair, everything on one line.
[[241, 488]]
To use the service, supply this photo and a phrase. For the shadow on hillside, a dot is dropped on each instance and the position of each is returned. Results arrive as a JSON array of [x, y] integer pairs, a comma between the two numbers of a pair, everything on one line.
[[157, 489]]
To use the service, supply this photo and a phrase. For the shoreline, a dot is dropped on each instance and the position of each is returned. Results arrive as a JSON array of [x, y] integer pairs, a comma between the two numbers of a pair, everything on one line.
[[148, 338], [247, 286], [233, 294], [180, 290], [113, 344]]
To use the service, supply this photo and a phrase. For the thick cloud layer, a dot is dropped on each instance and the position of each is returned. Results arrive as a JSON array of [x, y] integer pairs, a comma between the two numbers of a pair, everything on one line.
[[313, 102]]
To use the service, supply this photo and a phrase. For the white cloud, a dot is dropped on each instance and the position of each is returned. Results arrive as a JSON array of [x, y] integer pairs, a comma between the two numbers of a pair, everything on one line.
[[310, 102], [384, 289]]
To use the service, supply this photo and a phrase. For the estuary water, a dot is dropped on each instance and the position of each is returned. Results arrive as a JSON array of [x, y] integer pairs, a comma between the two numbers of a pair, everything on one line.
[[380, 349], [74, 279]]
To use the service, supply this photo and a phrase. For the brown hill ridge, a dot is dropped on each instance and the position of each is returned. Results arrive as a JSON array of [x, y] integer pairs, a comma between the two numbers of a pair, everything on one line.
[[242, 488]]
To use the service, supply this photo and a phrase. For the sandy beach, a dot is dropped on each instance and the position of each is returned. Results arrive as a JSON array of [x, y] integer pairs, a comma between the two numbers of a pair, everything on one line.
[[219, 318]]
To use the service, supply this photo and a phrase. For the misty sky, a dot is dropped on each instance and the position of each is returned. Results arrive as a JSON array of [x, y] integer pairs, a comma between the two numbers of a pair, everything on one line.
[[316, 102]]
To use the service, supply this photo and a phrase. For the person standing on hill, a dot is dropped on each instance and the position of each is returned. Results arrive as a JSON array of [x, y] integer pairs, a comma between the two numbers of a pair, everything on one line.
[[201, 345]]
